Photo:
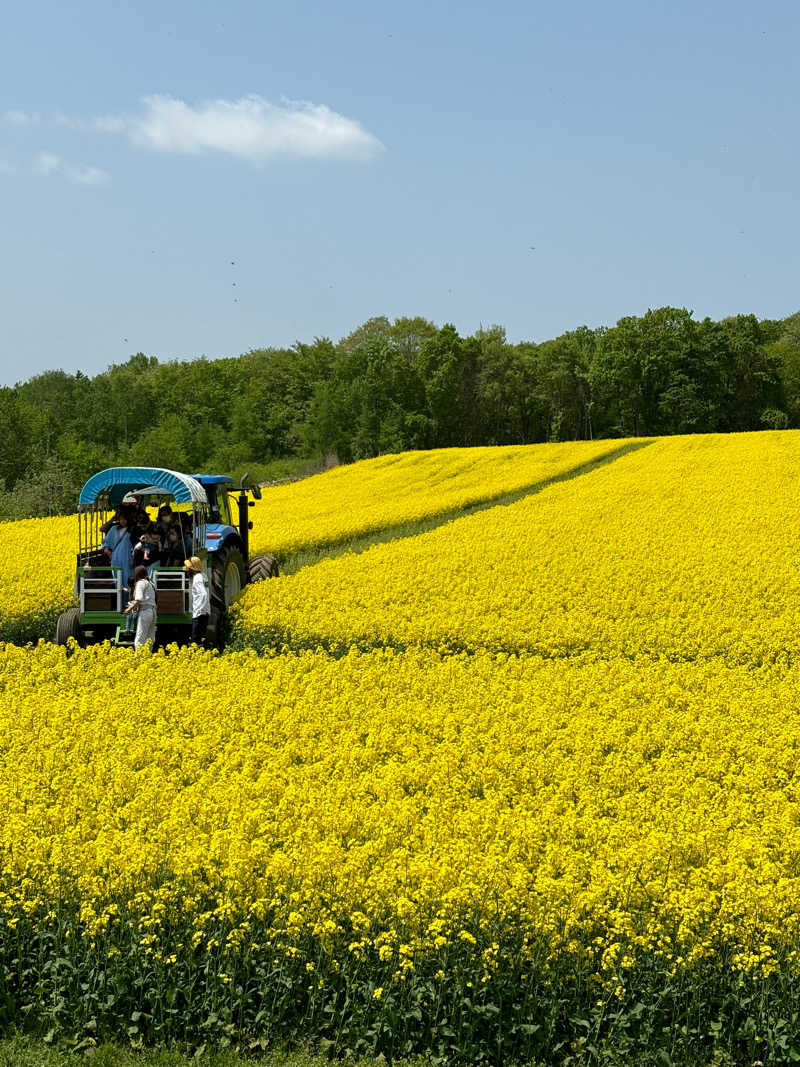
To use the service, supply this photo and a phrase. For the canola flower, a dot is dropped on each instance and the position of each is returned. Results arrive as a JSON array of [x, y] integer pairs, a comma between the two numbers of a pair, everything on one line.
[[553, 773], [409, 799], [372, 495], [343, 503], [685, 547], [38, 572]]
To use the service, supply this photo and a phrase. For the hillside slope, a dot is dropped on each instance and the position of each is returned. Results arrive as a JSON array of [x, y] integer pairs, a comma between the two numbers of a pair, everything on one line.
[[313, 514], [551, 803], [684, 547]]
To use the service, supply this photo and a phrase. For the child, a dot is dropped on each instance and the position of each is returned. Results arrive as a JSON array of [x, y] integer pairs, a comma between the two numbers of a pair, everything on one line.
[[147, 551]]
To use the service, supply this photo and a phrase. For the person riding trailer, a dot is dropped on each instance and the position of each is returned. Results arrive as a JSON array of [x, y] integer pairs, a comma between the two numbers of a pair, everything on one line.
[[201, 602], [221, 547], [117, 546], [110, 547]]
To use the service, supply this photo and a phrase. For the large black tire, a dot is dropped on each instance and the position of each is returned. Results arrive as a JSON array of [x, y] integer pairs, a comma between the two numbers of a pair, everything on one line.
[[69, 625], [228, 578], [262, 567]]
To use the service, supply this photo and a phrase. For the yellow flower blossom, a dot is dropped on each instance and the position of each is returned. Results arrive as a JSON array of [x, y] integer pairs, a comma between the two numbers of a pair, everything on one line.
[[575, 715], [684, 547]]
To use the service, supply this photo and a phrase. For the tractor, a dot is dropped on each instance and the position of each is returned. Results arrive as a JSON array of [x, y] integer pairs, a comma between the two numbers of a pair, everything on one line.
[[212, 528]]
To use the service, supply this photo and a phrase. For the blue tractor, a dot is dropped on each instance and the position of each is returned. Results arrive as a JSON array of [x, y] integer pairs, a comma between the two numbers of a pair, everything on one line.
[[214, 525]]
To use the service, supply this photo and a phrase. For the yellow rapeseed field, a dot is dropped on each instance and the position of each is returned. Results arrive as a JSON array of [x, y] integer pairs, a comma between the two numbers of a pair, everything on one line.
[[351, 501], [37, 575], [408, 799], [346, 502], [684, 547], [506, 789]]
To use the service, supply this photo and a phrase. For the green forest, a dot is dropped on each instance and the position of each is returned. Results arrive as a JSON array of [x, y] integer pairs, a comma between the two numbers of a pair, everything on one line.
[[392, 386]]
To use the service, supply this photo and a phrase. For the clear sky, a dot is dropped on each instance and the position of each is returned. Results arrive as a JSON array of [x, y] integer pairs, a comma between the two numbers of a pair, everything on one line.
[[190, 178]]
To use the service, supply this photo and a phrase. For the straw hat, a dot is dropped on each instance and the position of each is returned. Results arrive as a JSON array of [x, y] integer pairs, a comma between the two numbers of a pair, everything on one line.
[[193, 564]]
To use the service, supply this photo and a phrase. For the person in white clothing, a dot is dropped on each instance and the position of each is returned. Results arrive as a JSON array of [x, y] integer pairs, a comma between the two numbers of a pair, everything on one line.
[[143, 606], [201, 601]]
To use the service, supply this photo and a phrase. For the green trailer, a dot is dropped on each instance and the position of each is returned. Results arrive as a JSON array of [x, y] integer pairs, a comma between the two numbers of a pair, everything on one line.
[[214, 526]]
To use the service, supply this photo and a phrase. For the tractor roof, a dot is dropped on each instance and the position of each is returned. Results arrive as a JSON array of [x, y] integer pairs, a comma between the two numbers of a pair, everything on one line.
[[113, 484], [212, 479]]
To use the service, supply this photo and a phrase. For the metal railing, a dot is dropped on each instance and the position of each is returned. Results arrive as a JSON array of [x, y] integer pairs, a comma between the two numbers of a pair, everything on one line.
[[100, 589], [172, 590]]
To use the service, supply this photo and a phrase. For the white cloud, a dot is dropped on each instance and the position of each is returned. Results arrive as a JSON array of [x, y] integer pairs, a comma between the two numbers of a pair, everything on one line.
[[250, 128], [22, 118], [48, 164]]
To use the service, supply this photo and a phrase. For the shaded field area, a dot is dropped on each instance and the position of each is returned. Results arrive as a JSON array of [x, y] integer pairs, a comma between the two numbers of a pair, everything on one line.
[[27, 1052], [24, 1051]]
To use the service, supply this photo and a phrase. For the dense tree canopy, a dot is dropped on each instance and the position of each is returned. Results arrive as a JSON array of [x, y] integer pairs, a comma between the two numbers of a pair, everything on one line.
[[391, 386]]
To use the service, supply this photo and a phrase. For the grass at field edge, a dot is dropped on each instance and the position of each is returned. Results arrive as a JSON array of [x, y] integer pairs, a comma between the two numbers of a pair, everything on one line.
[[20, 1051], [28, 1052]]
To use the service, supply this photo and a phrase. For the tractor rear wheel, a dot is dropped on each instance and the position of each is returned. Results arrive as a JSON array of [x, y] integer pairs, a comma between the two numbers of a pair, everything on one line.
[[228, 578], [69, 625], [262, 567]]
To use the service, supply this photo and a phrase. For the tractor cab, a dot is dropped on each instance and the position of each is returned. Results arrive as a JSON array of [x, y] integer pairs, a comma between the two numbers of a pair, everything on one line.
[[122, 499], [219, 507], [226, 517]]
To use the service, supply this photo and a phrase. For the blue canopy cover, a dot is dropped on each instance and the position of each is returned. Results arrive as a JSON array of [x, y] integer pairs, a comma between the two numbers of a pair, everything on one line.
[[117, 481]]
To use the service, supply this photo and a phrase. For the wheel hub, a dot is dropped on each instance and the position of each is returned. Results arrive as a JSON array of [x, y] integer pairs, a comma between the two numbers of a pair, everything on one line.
[[232, 584]]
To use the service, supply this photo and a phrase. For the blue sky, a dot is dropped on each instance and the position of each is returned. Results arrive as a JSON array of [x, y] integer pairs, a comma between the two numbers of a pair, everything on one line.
[[339, 161]]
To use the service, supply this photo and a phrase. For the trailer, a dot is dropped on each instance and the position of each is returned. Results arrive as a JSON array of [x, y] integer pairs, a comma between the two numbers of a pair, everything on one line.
[[214, 526]]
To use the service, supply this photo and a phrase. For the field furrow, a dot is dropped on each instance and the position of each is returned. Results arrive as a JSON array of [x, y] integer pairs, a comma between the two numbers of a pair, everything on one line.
[[685, 548]]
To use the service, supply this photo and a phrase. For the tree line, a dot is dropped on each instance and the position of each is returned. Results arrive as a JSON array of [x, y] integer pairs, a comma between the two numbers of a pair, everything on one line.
[[393, 386]]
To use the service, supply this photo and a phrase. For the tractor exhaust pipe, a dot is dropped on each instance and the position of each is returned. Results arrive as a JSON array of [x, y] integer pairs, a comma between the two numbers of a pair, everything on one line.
[[244, 520]]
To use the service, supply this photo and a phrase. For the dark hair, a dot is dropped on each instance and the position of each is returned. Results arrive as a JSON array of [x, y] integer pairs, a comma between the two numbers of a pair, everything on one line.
[[139, 573]]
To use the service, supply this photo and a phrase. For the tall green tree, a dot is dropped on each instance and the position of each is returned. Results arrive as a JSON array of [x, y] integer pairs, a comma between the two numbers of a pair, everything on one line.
[[751, 380], [448, 366], [565, 384]]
